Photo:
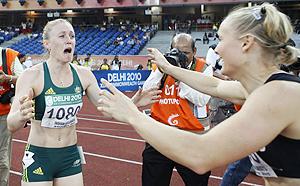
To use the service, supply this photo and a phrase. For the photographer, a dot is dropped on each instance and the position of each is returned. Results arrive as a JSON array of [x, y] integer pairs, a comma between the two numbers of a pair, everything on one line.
[[10, 69], [116, 63], [179, 106]]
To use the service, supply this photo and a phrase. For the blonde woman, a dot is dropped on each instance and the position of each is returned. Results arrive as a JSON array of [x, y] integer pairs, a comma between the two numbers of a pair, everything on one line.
[[51, 156], [253, 41]]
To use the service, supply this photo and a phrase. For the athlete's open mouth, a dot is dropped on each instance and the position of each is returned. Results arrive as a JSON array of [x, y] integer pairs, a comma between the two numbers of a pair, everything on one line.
[[68, 50]]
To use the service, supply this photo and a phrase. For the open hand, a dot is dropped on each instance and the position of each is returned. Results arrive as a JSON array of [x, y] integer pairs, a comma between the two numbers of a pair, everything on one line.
[[146, 97], [116, 104], [27, 106], [159, 59]]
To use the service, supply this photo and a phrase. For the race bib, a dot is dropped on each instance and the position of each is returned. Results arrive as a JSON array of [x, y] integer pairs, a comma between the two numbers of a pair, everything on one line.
[[27, 159], [81, 154], [261, 167], [61, 110]]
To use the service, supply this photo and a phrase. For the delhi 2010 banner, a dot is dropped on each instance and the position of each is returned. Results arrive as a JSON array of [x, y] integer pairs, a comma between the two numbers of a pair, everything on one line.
[[124, 80]]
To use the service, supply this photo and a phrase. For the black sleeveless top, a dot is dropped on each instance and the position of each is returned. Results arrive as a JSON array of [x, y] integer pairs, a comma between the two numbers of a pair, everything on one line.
[[282, 154]]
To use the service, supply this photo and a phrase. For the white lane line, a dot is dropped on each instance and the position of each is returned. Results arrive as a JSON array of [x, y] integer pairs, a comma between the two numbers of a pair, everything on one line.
[[15, 172], [107, 135], [110, 136], [103, 121], [112, 158], [20, 141], [126, 161], [106, 129], [93, 115]]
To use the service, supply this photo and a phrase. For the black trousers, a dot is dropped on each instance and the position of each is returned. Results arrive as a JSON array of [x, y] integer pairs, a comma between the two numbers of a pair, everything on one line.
[[157, 170]]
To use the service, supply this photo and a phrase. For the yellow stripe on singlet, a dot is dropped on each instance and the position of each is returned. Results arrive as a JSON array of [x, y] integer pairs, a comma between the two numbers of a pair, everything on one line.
[[25, 172], [25, 175], [27, 146]]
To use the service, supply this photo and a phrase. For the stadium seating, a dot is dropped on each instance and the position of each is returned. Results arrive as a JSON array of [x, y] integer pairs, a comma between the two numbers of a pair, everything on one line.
[[6, 35], [89, 40]]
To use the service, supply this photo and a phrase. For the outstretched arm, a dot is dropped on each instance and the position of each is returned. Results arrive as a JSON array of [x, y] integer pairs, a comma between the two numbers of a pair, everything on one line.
[[209, 85], [235, 138]]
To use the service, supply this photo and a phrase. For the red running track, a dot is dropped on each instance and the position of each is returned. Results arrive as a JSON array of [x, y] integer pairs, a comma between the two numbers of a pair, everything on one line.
[[112, 152]]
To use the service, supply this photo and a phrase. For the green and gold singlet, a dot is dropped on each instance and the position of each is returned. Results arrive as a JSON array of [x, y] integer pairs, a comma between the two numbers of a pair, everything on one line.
[[57, 107]]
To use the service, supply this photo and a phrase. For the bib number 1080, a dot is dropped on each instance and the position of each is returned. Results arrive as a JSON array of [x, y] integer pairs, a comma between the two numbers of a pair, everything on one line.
[[62, 113]]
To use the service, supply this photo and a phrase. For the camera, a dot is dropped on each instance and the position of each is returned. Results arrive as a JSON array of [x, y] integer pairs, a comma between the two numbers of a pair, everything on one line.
[[177, 58], [6, 98]]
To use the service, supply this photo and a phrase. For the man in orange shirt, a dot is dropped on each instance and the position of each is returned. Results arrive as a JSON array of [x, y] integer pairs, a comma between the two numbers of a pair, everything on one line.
[[179, 106], [10, 69]]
